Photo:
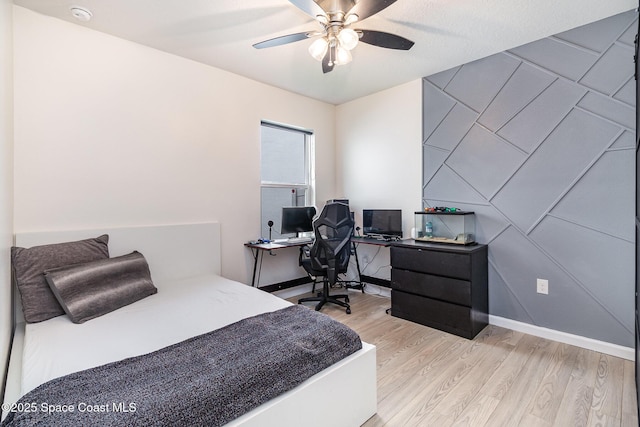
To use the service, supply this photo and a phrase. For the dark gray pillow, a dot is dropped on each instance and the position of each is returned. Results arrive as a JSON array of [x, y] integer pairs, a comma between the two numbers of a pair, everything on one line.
[[38, 303], [89, 290]]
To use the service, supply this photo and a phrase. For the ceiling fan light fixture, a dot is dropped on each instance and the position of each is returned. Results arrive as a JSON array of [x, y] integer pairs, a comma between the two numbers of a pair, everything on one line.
[[322, 19], [350, 19], [348, 38], [343, 56], [319, 48], [332, 45]]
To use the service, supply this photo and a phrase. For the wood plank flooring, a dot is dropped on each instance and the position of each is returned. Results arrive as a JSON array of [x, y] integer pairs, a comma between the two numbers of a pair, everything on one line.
[[501, 378]]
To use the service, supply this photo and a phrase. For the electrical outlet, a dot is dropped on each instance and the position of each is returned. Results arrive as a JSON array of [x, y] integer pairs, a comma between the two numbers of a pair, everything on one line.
[[542, 286]]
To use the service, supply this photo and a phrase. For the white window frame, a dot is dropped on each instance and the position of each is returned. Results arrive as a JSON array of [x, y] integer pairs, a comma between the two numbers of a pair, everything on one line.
[[309, 169]]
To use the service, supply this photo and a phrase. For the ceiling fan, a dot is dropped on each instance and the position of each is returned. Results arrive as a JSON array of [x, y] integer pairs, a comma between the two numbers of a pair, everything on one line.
[[336, 39]]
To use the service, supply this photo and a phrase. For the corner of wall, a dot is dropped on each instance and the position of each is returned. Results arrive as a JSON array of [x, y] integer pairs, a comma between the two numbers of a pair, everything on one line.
[[6, 182]]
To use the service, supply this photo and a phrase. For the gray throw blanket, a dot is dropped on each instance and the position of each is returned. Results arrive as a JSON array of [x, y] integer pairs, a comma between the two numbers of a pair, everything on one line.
[[206, 380]]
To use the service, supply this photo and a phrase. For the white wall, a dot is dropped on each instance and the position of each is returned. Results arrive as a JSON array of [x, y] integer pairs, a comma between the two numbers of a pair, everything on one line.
[[379, 156], [108, 132], [6, 178]]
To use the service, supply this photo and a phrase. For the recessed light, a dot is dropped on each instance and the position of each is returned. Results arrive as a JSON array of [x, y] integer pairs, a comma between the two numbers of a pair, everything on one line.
[[80, 13]]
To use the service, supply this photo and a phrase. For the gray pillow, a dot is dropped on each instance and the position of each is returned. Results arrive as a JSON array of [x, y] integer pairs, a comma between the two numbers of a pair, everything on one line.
[[89, 290], [38, 303]]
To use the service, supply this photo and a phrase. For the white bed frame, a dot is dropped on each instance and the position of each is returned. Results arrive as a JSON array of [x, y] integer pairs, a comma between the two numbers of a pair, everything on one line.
[[188, 250]]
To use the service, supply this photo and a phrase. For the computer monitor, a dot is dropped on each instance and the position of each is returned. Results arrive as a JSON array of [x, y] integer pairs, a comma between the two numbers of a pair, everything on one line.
[[384, 222], [297, 219]]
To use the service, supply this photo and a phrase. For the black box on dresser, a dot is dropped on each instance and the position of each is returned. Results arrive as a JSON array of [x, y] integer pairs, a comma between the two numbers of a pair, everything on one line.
[[441, 286]]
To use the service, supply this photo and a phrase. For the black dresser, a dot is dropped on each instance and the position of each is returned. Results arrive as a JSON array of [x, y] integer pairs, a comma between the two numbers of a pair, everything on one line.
[[441, 286]]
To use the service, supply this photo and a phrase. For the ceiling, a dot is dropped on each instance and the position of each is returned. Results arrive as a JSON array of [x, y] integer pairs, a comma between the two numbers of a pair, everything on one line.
[[221, 33]]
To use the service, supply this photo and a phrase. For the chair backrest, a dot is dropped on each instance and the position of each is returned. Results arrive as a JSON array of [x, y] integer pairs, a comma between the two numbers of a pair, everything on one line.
[[332, 247]]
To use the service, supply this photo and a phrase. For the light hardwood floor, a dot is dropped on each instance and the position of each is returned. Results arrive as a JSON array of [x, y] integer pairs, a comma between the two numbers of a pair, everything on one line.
[[501, 378]]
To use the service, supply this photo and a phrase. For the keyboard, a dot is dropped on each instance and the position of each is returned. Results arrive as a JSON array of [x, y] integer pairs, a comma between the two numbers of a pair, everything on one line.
[[299, 240]]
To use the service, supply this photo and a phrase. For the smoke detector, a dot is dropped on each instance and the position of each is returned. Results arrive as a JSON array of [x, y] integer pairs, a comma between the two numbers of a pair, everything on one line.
[[80, 13]]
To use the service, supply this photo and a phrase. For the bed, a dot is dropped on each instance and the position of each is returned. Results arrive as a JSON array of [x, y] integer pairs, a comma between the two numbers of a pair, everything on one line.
[[192, 299]]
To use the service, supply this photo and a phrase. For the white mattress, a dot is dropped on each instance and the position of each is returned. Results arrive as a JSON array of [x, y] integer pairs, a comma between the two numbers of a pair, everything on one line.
[[180, 310]]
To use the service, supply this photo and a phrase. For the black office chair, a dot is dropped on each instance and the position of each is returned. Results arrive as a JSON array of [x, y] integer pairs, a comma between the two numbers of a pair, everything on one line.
[[329, 255]]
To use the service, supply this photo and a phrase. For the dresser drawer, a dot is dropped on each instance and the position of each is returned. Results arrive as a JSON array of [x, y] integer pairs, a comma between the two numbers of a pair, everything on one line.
[[436, 314], [448, 264], [443, 288]]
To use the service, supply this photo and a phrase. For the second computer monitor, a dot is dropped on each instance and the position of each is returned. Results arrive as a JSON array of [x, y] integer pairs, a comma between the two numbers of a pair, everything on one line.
[[383, 222]]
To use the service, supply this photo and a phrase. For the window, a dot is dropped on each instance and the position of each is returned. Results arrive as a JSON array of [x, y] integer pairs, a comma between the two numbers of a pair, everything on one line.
[[286, 173]]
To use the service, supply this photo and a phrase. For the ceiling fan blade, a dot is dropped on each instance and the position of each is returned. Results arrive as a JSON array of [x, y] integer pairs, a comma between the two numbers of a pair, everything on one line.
[[309, 7], [277, 41], [327, 65], [382, 39], [366, 8]]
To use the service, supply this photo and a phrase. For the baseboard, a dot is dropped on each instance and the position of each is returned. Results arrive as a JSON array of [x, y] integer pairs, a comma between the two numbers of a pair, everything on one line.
[[382, 291], [577, 340], [294, 292]]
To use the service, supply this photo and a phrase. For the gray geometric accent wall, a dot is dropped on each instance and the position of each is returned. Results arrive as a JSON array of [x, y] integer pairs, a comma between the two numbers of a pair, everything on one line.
[[539, 141]]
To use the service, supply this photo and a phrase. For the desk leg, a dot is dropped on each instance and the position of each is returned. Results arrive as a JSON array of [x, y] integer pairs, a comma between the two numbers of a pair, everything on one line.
[[256, 254], [360, 285]]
